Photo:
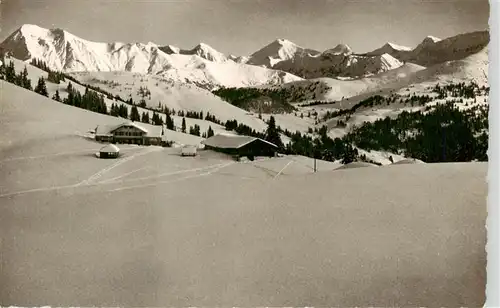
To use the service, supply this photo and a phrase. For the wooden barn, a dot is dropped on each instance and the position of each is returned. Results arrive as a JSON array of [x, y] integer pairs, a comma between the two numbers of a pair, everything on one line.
[[241, 146]]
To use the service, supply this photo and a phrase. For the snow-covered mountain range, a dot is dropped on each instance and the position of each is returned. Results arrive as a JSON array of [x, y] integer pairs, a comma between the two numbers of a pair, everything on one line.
[[203, 65], [280, 62], [433, 50]]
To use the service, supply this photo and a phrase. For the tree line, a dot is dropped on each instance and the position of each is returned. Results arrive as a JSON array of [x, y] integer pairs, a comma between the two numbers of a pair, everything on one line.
[[442, 134]]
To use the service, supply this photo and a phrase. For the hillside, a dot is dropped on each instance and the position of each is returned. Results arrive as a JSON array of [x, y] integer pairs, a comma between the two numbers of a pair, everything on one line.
[[160, 91], [77, 122], [409, 75]]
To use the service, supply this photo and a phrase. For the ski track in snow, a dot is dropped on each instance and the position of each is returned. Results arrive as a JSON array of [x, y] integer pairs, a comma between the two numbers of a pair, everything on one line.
[[124, 175], [118, 163], [283, 169], [57, 154], [90, 182], [217, 168]]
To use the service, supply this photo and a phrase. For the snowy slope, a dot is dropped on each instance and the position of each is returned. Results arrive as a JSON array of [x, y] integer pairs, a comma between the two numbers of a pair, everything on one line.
[[239, 234], [278, 51], [64, 51], [77, 121], [472, 68], [176, 96], [180, 97], [332, 89]]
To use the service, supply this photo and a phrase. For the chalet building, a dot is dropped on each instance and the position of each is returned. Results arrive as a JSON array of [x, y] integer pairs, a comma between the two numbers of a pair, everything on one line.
[[109, 151], [129, 132], [240, 146]]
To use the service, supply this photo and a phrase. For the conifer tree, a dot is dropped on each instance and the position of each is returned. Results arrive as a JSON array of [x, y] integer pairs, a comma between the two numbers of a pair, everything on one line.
[[134, 114], [56, 96], [272, 133], [210, 132], [41, 88], [169, 122], [183, 128], [145, 117], [10, 73], [25, 81]]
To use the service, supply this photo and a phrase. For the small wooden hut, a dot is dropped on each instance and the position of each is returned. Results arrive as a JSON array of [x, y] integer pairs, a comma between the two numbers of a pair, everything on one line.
[[109, 151]]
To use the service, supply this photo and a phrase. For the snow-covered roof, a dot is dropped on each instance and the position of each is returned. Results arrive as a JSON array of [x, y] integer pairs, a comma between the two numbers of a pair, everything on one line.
[[357, 164], [107, 130], [154, 131], [408, 161], [130, 124], [104, 130], [110, 148], [231, 142]]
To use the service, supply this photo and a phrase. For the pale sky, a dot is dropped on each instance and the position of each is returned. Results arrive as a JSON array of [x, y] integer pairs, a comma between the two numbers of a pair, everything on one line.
[[241, 27]]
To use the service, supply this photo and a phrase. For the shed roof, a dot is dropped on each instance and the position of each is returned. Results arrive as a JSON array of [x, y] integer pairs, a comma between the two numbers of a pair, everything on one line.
[[110, 148], [231, 141]]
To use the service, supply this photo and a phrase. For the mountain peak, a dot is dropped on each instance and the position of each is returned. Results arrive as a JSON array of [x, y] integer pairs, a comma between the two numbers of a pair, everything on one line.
[[30, 27], [31, 30], [170, 49], [340, 49], [203, 46], [207, 52], [397, 47], [431, 39], [283, 41]]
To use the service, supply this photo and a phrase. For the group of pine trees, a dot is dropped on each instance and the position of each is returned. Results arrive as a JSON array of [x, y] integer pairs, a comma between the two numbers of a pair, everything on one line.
[[443, 134], [119, 110], [461, 89], [322, 147], [256, 99], [90, 100], [8, 73]]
